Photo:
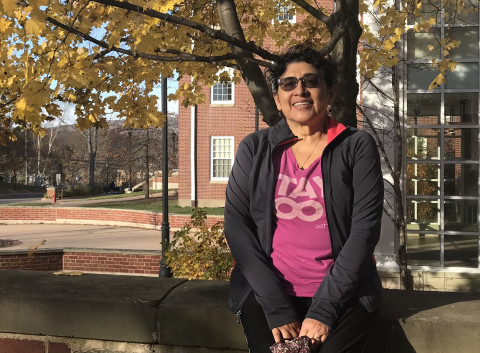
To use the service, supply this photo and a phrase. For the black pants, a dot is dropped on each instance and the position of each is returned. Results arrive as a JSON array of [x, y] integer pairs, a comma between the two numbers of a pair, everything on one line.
[[349, 336]]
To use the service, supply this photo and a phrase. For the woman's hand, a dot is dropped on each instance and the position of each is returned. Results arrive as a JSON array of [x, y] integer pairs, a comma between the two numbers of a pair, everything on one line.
[[316, 330], [286, 332]]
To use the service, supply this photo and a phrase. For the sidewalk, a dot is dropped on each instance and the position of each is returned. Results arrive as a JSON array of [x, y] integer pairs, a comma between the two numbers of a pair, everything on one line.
[[26, 236]]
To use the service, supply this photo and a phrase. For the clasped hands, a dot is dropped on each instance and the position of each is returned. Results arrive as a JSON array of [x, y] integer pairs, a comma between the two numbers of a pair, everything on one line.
[[314, 329]]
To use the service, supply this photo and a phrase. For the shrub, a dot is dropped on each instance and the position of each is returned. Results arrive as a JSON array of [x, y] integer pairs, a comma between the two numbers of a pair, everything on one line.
[[199, 252], [83, 190]]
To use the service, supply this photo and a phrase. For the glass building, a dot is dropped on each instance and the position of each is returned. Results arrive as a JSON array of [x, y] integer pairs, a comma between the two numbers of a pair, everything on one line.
[[442, 143]]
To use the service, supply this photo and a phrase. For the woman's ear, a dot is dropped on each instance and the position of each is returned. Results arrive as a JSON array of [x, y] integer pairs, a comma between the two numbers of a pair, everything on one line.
[[332, 93]]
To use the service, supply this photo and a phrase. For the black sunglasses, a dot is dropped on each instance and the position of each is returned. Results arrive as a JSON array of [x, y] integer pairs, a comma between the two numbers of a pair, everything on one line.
[[308, 80]]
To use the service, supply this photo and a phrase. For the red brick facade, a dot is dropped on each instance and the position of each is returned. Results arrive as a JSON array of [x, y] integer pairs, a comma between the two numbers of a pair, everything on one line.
[[79, 215], [101, 261], [237, 120]]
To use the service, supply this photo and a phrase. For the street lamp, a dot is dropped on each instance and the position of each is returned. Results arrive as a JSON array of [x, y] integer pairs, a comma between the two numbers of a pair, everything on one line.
[[164, 270]]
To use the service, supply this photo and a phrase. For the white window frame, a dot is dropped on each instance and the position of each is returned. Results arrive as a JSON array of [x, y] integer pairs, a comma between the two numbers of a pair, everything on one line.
[[212, 139], [280, 12], [226, 101]]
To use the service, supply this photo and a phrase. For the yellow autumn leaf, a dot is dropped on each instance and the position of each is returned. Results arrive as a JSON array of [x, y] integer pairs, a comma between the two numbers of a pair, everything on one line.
[[114, 39], [21, 104], [388, 45], [4, 24], [437, 82], [9, 7], [34, 27], [83, 123]]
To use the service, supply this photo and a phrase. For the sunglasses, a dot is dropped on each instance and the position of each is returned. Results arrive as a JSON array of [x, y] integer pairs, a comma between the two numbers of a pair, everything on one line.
[[308, 80]]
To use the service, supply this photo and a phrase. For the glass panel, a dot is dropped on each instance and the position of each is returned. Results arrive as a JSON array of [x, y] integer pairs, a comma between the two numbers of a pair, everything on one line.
[[423, 249], [461, 180], [461, 108], [423, 179], [423, 45], [461, 250], [455, 14], [461, 144], [464, 76], [222, 92], [468, 38], [423, 109], [420, 76], [461, 215], [423, 143], [430, 8], [423, 215]]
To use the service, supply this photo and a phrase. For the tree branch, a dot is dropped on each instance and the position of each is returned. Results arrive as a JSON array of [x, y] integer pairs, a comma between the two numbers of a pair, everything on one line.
[[178, 55], [212, 33], [379, 143], [312, 10]]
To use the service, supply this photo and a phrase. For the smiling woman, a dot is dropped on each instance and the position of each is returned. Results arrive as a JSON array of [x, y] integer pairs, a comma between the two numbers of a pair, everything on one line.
[[302, 218]]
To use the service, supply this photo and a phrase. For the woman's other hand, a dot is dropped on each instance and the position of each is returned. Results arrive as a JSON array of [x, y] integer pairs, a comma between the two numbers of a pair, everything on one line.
[[286, 332], [316, 330]]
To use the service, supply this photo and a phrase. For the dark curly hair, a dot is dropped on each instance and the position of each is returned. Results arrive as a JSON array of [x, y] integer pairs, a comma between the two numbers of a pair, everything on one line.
[[301, 53]]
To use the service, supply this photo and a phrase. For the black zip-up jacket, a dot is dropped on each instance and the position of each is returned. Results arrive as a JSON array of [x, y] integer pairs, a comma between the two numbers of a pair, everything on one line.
[[353, 189]]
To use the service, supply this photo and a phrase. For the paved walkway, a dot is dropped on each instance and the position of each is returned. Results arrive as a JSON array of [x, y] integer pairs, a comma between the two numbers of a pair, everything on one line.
[[25, 236]]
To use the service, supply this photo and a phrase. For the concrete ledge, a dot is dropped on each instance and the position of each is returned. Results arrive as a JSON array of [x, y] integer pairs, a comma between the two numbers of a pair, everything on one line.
[[176, 313]]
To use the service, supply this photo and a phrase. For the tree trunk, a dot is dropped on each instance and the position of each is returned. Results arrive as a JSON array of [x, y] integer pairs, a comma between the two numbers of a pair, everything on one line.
[[405, 278], [251, 73], [92, 153], [344, 55]]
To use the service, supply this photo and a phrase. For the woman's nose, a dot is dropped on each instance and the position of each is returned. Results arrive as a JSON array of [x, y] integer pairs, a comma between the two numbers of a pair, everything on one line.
[[300, 88]]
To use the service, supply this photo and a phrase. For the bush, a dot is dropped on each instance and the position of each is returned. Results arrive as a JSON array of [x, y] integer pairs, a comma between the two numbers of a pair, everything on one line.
[[83, 190], [199, 252]]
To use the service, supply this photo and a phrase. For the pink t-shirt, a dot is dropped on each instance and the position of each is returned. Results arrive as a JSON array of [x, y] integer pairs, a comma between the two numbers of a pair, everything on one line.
[[302, 252]]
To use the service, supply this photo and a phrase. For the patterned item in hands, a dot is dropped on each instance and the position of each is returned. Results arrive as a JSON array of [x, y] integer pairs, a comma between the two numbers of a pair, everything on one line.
[[297, 345]]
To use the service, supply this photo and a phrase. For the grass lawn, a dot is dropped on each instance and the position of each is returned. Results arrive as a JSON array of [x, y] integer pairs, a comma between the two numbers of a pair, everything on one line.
[[155, 205]]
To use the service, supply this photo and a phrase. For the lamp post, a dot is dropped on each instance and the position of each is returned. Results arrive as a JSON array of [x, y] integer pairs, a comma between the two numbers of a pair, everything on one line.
[[164, 270]]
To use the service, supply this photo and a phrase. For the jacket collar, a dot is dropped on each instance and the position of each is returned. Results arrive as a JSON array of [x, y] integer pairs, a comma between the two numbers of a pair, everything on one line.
[[281, 133]]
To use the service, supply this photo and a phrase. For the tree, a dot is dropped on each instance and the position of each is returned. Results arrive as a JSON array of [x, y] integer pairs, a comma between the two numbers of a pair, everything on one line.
[[108, 53]]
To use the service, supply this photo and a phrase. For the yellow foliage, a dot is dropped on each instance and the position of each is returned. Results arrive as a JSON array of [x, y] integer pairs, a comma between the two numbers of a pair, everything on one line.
[[9, 6], [197, 251], [43, 62], [437, 82]]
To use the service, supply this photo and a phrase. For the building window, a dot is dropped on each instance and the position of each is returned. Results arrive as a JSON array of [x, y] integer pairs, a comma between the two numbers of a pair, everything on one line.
[[285, 12], [223, 92], [221, 157], [442, 147]]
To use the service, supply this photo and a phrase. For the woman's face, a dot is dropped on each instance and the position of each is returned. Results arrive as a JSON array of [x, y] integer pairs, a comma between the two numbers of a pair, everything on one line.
[[303, 105]]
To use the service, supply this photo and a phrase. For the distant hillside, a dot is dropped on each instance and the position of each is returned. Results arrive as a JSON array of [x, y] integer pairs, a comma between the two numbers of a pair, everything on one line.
[[6, 188]]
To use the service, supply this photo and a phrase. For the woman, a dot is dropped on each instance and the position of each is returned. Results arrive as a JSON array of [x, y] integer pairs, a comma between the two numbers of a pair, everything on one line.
[[302, 218]]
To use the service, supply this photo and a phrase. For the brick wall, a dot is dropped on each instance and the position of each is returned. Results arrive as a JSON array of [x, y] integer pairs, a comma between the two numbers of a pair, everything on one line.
[[100, 216], [16, 345], [50, 261], [98, 261], [116, 262]]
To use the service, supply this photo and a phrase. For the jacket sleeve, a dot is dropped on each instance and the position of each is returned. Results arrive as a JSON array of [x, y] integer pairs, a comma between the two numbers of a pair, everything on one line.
[[353, 261], [242, 237]]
